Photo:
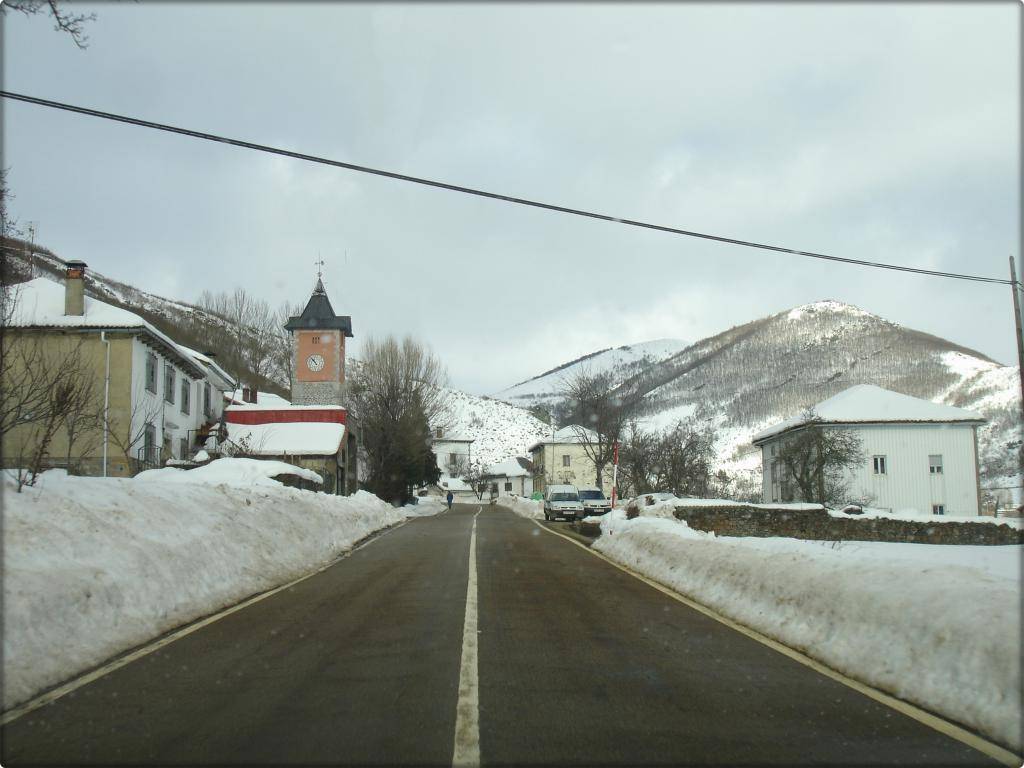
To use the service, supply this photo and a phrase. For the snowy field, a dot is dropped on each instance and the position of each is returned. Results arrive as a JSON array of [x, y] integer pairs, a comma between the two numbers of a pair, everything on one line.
[[939, 626], [93, 566]]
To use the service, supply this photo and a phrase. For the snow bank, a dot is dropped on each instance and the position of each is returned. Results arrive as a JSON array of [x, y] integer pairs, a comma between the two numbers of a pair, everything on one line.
[[523, 507], [938, 630], [93, 566], [240, 472]]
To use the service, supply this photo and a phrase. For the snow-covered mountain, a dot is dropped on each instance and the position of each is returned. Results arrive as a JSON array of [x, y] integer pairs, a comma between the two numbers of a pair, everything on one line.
[[754, 375], [499, 430], [621, 362]]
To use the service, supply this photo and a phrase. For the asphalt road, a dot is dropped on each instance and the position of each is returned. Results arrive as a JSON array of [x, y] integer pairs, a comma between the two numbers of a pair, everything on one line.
[[579, 663]]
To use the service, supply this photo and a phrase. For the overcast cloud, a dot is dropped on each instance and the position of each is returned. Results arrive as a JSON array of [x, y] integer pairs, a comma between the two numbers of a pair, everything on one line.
[[880, 132]]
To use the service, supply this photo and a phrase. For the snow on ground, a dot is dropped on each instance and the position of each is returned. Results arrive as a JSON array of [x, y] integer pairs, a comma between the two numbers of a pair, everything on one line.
[[523, 507], [245, 472], [94, 566], [935, 625]]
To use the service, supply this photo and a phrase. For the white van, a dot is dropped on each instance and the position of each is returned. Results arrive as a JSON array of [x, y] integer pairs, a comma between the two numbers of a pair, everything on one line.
[[562, 501], [594, 501]]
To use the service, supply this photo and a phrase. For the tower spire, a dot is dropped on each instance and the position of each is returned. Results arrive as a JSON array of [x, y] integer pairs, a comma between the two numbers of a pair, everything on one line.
[[319, 275]]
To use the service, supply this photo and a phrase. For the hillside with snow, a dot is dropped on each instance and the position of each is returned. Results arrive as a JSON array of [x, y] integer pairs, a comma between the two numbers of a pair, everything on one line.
[[762, 372], [499, 430], [621, 362]]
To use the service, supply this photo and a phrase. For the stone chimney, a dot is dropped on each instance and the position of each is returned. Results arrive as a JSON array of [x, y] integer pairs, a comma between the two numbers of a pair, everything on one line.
[[74, 288]]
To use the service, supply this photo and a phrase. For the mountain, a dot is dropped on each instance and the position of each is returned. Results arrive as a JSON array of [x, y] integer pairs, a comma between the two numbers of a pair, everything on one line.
[[621, 362], [767, 370]]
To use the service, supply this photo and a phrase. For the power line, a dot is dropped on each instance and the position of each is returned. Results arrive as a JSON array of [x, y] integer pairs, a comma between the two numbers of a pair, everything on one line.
[[491, 195]]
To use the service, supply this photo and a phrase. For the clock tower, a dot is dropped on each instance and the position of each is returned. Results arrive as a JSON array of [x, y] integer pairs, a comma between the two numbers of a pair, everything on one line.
[[318, 351]]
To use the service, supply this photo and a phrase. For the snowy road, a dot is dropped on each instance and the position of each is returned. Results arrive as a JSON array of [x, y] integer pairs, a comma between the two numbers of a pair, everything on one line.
[[576, 662]]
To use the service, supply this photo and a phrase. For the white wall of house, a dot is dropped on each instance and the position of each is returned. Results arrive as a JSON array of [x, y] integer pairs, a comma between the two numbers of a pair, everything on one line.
[[450, 452], [518, 485], [164, 410], [908, 483]]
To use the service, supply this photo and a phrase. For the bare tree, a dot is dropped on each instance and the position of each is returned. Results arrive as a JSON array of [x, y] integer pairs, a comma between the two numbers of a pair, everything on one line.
[[47, 387], [396, 393], [473, 474], [637, 459], [129, 431], [63, 19], [599, 410], [814, 460], [684, 458]]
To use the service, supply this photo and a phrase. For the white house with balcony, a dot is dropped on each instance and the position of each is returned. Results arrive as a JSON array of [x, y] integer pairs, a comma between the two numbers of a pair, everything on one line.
[[918, 456]]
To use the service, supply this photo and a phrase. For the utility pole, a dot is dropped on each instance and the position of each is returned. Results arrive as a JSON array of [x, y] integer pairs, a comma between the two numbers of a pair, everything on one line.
[[1015, 287], [31, 250]]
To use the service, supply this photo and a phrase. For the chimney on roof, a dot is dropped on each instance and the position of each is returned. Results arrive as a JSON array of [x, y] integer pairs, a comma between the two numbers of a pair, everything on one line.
[[74, 288]]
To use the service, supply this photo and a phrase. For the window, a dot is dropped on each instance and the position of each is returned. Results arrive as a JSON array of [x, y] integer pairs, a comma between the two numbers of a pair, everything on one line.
[[151, 372], [453, 459], [508, 487], [565, 460], [186, 396], [935, 464], [879, 464], [169, 383], [207, 404], [316, 339], [938, 509]]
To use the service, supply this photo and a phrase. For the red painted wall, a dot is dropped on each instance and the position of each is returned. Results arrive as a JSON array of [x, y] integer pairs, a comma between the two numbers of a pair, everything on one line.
[[285, 416]]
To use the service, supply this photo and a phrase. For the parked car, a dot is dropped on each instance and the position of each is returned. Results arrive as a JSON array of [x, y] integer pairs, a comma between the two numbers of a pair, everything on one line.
[[562, 501], [594, 501]]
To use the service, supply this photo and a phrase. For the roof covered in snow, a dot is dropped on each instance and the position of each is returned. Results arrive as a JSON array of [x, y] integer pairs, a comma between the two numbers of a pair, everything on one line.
[[868, 404], [307, 438], [39, 304], [221, 378], [513, 467], [566, 435]]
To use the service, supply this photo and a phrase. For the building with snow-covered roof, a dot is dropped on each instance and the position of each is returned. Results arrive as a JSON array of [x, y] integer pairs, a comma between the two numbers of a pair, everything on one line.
[[313, 430], [917, 455], [454, 452], [153, 398], [563, 459], [511, 477]]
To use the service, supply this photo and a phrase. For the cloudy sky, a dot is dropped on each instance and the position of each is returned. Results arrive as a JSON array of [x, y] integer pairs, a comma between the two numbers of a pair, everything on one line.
[[883, 132]]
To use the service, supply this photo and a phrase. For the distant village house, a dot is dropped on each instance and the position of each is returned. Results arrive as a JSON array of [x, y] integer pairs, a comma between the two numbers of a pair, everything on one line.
[[918, 455]]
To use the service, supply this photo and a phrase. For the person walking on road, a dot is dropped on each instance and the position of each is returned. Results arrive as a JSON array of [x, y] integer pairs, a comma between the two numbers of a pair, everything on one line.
[[450, 498]]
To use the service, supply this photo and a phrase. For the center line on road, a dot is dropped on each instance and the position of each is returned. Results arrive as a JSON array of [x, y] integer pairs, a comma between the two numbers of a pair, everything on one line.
[[467, 712]]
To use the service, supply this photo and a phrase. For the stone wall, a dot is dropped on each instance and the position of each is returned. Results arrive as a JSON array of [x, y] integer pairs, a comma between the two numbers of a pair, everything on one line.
[[819, 525]]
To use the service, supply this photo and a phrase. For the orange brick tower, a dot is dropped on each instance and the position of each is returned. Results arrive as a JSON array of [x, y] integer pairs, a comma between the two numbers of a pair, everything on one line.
[[318, 351]]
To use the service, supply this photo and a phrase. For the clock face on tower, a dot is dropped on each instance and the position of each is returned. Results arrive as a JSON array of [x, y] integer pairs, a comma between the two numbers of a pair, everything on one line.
[[315, 363]]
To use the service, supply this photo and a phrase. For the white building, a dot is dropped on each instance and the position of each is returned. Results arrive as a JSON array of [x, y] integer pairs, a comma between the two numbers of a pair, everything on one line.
[[563, 458], [918, 455], [454, 454], [511, 477]]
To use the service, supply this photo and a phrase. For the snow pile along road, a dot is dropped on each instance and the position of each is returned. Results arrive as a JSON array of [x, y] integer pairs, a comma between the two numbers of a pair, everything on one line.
[[523, 507], [93, 566], [931, 624]]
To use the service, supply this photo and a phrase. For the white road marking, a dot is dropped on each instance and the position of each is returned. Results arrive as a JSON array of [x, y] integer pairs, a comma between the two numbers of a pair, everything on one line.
[[924, 717], [467, 712], [72, 685]]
